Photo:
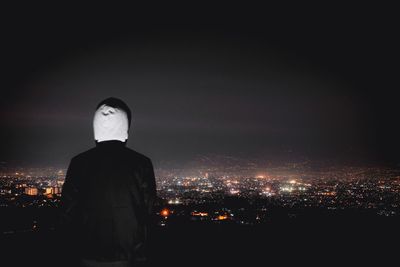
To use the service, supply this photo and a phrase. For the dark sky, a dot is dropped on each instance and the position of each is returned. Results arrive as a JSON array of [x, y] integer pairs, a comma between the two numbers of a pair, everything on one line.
[[320, 87]]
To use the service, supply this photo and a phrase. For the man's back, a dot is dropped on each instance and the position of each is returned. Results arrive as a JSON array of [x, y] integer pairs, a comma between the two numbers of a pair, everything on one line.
[[106, 201]]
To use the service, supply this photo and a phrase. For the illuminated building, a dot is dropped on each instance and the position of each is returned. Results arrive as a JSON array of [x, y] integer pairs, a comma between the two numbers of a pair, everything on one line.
[[31, 191], [56, 190], [48, 191], [200, 214]]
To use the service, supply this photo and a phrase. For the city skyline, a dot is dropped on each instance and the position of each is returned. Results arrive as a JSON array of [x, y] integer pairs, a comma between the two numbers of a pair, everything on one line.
[[225, 195]]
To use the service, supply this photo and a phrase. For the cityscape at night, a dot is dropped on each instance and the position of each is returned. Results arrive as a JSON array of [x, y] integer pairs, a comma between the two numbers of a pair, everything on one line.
[[220, 200], [245, 195]]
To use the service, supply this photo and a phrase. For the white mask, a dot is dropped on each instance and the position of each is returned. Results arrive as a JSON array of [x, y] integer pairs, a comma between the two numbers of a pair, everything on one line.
[[110, 124]]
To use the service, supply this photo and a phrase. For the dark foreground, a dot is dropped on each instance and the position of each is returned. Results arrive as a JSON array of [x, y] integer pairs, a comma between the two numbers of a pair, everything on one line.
[[346, 241]]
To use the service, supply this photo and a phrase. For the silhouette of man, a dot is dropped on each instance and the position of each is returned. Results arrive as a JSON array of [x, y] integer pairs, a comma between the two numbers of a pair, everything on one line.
[[108, 195]]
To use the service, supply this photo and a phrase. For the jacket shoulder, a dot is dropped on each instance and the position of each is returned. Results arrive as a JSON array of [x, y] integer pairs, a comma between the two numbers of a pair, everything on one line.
[[137, 156], [83, 155], [130, 153]]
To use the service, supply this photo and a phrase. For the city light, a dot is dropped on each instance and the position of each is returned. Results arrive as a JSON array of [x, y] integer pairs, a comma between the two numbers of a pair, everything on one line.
[[165, 212], [222, 217], [175, 201], [199, 198], [201, 214], [234, 191]]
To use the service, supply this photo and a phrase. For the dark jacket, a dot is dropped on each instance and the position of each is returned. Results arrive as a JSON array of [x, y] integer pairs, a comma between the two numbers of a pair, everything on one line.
[[106, 203]]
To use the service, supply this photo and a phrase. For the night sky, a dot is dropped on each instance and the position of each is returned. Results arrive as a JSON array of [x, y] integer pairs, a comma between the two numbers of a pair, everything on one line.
[[320, 87]]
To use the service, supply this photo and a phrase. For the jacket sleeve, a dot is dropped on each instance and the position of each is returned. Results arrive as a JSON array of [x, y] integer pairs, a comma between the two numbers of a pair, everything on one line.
[[69, 196], [149, 188]]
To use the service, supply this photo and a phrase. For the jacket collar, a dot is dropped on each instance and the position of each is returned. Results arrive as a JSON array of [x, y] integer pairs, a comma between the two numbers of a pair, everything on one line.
[[110, 143]]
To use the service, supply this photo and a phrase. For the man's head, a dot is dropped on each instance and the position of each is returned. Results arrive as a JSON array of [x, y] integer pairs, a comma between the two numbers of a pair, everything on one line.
[[112, 120]]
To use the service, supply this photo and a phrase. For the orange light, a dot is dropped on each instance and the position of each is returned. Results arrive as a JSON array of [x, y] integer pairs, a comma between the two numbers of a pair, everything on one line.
[[222, 217], [165, 212], [201, 214]]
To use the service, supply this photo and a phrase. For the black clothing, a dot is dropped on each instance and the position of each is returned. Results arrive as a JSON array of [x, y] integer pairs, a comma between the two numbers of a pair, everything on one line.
[[106, 203]]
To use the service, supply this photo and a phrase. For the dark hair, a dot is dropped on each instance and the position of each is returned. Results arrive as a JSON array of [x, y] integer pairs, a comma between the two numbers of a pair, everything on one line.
[[116, 103]]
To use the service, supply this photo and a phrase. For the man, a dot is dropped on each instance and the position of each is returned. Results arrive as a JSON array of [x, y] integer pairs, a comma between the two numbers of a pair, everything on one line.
[[108, 194]]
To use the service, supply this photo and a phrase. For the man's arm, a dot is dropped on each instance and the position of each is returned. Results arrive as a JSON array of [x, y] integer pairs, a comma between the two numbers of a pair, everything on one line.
[[149, 192], [67, 212], [149, 188], [69, 196]]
